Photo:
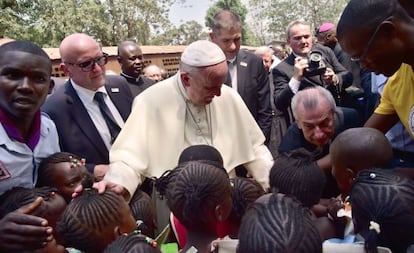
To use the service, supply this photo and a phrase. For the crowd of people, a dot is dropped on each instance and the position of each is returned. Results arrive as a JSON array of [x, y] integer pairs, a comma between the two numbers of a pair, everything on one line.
[[280, 150]]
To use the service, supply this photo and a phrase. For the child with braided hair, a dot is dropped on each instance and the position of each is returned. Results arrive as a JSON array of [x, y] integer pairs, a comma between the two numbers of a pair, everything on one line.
[[296, 174], [278, 223], [142, 210], [199, 196], [383, 209], [133, 243], [92, 221], [64, 171], [50, 209]]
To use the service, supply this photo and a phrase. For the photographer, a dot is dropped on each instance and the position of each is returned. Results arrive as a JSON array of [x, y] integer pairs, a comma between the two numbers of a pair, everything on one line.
[[295, 73]]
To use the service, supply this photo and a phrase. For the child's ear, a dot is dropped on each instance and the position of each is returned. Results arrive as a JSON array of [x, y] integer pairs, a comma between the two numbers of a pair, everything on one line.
[[350, 175], [117, 232], [218, 212], [51, 86]]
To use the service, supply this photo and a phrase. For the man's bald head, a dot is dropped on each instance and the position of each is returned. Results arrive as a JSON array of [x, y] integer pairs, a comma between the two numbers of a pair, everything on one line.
[[74, 45]]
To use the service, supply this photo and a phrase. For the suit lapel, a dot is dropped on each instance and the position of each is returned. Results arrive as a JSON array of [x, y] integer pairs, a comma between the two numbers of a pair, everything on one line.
[[119, 97], [242, 74], [80, 116]]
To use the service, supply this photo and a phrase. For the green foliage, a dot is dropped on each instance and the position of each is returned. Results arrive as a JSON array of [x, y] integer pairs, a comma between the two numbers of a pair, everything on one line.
[[47, 22], [237, 7], [270, 18]]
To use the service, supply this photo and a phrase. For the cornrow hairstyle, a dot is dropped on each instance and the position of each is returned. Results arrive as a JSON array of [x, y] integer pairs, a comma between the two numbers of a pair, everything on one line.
[[191, 189], [18, 196], [46, 170], [245, 191], [296, 173], [385, 198], [278, 223], [89, 218], [143, 210], [133, 243]]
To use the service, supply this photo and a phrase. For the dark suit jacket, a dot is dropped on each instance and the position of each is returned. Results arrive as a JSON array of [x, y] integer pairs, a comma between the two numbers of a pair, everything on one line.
[[284, 72], [77, 133], [138, 85], [253, 87]]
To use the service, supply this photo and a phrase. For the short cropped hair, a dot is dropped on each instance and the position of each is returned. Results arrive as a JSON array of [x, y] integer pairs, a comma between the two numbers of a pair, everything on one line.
[[226, 20], [293, 23]]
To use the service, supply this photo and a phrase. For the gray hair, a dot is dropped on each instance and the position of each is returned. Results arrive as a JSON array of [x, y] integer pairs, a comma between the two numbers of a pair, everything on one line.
[[263, 50], [293, 23], [310, 100]]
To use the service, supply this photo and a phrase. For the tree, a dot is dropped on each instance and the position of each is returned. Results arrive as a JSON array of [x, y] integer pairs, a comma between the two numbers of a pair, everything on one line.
[[237, 7], [47, 22], [270, 18]]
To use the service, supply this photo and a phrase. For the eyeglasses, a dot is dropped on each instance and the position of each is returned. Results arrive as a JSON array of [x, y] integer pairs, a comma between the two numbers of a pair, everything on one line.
[[87, 66], [370, 41]]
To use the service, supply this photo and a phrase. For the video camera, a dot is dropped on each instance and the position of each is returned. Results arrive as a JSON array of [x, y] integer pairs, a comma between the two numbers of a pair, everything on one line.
[[316, 67]]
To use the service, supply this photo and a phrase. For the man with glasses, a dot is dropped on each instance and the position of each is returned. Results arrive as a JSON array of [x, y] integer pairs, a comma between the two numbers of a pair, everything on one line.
[[91, 108], [132, 64], [381, 41], [289, 76]]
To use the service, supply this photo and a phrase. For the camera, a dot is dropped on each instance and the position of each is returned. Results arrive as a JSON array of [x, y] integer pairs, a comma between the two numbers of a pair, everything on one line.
[[316, 64]]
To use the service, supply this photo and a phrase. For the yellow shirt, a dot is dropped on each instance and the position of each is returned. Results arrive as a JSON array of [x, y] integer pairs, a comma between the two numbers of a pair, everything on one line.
[[398, 97]]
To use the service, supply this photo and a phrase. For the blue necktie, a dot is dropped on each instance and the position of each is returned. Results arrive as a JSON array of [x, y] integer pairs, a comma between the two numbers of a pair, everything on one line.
[[113, 127]]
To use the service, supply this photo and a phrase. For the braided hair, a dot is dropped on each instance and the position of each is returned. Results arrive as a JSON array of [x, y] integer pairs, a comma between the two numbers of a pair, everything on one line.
[[133, 243], [383, 209], [142, 209], [278, 223], [296, 173], [46, 170], [192, 189], [90, 219], [17, 197]]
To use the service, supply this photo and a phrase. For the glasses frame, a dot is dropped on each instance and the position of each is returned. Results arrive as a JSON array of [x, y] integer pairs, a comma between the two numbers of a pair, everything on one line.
[[87, 66], [370, 41]]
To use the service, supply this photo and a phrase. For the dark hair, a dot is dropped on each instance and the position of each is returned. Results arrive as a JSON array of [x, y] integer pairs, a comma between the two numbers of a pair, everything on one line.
[[88, 217], [365, 14], [23, 46], [191, 188], [278, 223], [203, 153], [295, 173], [133, 243], [142, 210], [46, 170], [244, 192], [387, 199], [225, 19], [17, 197]]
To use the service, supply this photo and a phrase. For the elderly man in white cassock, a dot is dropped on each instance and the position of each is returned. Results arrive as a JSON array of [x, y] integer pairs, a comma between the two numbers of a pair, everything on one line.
[[192, 107]]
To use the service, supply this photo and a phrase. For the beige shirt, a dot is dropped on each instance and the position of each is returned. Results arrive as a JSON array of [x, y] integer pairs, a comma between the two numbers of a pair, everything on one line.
[[154, 136]]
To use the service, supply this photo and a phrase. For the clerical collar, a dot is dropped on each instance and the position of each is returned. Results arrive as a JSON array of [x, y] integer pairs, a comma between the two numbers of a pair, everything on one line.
[[131, 79]]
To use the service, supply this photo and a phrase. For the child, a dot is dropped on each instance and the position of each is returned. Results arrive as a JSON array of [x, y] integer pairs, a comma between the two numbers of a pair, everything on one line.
[[143, 212], [51, 209], [62, 170], [244, 193], [199, 196], [297, 174], [92, 221], [356, 149], [383, 209], [133, 243], [278, 223]]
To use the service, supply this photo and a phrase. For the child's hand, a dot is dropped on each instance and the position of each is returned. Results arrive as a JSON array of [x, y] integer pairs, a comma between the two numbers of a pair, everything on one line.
[[334, 205]]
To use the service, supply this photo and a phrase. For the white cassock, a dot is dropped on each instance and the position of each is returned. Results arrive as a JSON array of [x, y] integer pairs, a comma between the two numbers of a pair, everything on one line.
[[159, 129]]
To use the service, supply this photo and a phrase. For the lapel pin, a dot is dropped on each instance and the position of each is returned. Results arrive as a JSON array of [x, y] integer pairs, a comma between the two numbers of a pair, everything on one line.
[[244, 64], [115, 90]]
